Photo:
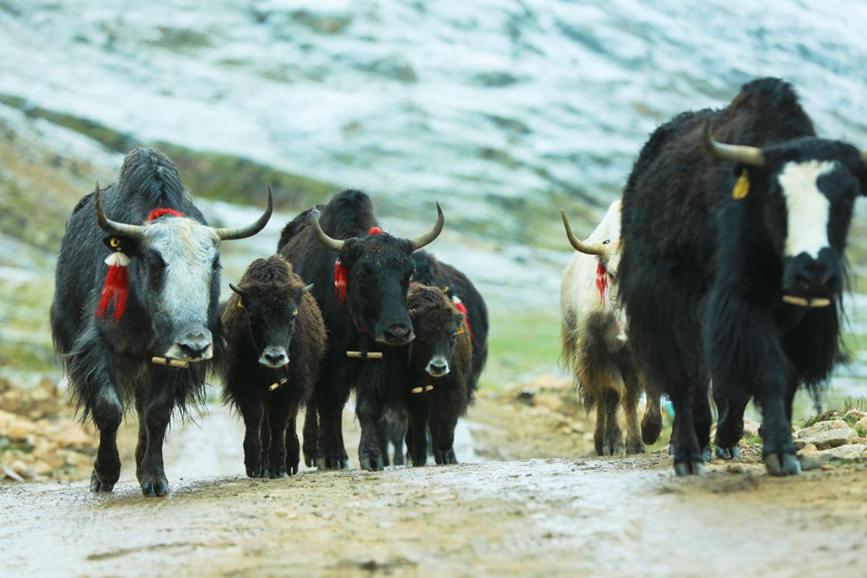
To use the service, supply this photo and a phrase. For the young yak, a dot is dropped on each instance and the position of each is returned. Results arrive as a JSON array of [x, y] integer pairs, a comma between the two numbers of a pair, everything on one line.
[[275, 341], [433, 378]]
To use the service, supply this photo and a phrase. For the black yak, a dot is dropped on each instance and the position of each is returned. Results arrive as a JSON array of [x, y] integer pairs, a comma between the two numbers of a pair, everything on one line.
[[733, 265], [361, 276], [594, 343], [134, 316], [427, 386], [275, 341], [431, 271]]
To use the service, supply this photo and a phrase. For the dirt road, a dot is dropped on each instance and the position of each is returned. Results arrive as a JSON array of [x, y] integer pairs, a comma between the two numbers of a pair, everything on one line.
[[572, 516]]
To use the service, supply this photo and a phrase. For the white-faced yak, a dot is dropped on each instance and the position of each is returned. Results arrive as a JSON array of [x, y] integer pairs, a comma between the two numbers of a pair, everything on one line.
[[134, 317], [594, 344], [734, 231], [275, 341], [360, 277]]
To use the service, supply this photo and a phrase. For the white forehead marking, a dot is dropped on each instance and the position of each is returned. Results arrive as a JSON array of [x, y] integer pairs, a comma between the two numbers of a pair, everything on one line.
[[188, 248], [808, 209]]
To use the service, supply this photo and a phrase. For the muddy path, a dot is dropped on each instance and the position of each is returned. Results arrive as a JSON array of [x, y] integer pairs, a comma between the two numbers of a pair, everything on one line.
[[497, 514]]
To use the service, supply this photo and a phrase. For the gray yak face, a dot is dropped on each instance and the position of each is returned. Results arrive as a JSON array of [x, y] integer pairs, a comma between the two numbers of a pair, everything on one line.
[[174, 275]]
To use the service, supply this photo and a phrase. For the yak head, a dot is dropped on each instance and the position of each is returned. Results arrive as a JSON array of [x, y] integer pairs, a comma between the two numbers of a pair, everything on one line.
[[438, 326], [268, 299], [173, 276], [604, 244], [802, 193], [379, 268]]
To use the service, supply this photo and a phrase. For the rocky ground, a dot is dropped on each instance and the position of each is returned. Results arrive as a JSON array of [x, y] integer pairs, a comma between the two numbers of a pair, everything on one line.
[[528, 499]]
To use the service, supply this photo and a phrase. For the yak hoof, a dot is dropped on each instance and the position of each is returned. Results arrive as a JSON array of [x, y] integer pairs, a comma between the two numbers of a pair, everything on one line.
[[309, 460], [782, 464], [689, 468], [398, 458], [446, 458], [371, 462], [650, 429], [725, 453], [154, 486], [277, 474], [255, 472], [329, 464], [706, 454], [98, 484], [634, 447]]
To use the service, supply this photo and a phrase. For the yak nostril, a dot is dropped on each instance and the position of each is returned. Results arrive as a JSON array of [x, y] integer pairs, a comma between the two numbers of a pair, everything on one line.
[[397, 331]]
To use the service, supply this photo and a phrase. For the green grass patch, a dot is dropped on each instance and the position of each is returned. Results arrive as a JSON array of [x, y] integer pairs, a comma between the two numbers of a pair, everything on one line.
[[520, 346]]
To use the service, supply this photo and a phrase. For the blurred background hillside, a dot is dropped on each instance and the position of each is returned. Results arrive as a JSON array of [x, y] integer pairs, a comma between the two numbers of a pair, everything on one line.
[[503, 110]]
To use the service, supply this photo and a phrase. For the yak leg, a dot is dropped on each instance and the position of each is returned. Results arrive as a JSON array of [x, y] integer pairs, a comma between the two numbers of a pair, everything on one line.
[[107, 415], [293, 446], [276, 452], [651, 424], [311, 433], [155, 413], [777, 446], [703, 419], [632, 392], [382, 439], [688, 459], [253, 412], [330, 451], [442, 431], [612, 439], [730, 427], [369, 412], [396, 433], [599, 431], [416, 433]]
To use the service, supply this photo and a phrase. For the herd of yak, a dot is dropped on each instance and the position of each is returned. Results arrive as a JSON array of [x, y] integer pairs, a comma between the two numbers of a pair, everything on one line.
[[721, 269]]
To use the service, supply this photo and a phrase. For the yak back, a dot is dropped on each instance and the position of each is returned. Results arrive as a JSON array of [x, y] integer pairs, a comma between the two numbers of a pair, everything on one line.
[[676, 187], [348, 214]]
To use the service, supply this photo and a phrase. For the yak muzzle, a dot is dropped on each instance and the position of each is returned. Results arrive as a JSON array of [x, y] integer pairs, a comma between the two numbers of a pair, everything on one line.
[[438, 367], [809, 282], [396, 334], [194, 346], [274, 357]]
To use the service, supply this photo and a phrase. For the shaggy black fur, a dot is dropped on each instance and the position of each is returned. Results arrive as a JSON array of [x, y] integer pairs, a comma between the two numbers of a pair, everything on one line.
[[379, 271], [703, 274], [431, 271], [271, 310], [108, 363]]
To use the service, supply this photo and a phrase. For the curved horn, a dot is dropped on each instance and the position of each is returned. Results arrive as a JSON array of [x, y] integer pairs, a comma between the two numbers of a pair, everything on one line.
[[431, 235], [334, 244], [743, 154], [231, 233], [580, 246], [113, 227]]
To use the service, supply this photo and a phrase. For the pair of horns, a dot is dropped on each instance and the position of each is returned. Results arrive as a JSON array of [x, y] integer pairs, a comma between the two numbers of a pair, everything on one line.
[[598, 249], [743, 154], [223, 233], [417, 243]]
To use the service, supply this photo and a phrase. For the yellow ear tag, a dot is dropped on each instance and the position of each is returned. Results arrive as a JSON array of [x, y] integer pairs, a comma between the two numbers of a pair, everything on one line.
[[240, 303], [742, 187]]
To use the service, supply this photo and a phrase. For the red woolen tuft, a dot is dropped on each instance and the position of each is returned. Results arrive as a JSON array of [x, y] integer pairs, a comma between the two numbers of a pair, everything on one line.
[[459, 305], [375, 231], [157, 213], [341, 280], [115, 291], [601, 279]]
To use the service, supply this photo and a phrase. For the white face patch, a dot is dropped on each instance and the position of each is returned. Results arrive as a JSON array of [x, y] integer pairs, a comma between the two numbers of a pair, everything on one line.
[[189, 249], [808, 209]]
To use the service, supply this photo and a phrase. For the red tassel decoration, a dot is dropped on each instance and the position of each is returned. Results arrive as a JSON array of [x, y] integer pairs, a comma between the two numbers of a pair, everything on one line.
[[115, 289], [601, 279], [341, 280], [157, 213], [374, 231], [459, 305]]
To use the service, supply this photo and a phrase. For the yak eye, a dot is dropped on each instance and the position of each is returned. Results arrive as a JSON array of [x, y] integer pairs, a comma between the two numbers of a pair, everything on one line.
[[156, 261]]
